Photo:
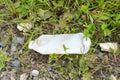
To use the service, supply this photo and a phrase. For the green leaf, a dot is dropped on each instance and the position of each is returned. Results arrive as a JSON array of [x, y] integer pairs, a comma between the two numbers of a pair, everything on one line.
[[71, 75], [28, 40], [119, 35], [105, 29], [89, 63], [1, 52], [86, 76], [83, 66], [17, 4], [48, 14], [104, 26], [84, 8], [1, 65], [91, 27], [65, 48], [117, 16], [87, 33], [22, 9], [103, 17], [107, 32], [41, 11]]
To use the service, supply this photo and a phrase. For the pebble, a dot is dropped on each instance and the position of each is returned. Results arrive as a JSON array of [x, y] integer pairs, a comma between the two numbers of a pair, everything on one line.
[[2, 45], [5, 78], [35, 72], [64, 63], [15, 56], [13, 47], [24, 76], [15, 63], [101, 55], [16, 40], [20, 40]]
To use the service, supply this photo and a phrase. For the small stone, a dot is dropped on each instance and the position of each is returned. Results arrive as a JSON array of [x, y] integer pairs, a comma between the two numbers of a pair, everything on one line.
[[15, 56], [24, 76], [64, 63], [20, 40], [5, 78], [100, 55], [13, 48], [15, 63], [35, 72], [2, 45]]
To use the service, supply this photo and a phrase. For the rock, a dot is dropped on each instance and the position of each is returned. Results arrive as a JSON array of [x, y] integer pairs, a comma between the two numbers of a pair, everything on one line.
[[16, 40], [15, 56], [13, 47], [100, 55], [15, 63], [2, 45], [64, 63], [20, 40], [24, 26], [24, 76], [5, 78], [35, 72]]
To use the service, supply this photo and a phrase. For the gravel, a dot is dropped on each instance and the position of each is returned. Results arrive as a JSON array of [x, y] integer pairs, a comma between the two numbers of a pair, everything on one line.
[[13, 47], [20, 40], [35, 72], [2, 45], [7, 75], [15, 63], [23, 76], [101, 55]]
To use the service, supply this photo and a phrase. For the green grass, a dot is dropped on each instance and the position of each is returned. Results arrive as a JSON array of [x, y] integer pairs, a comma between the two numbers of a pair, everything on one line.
[[97, 19]]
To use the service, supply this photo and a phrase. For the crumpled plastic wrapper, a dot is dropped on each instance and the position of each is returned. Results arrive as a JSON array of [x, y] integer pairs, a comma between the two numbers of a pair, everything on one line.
[[61, 44], [108, 46]]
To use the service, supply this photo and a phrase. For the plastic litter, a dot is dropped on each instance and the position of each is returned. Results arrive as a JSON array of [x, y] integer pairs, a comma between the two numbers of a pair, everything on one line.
[[108, 46], [24, 26], [61, 44]]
